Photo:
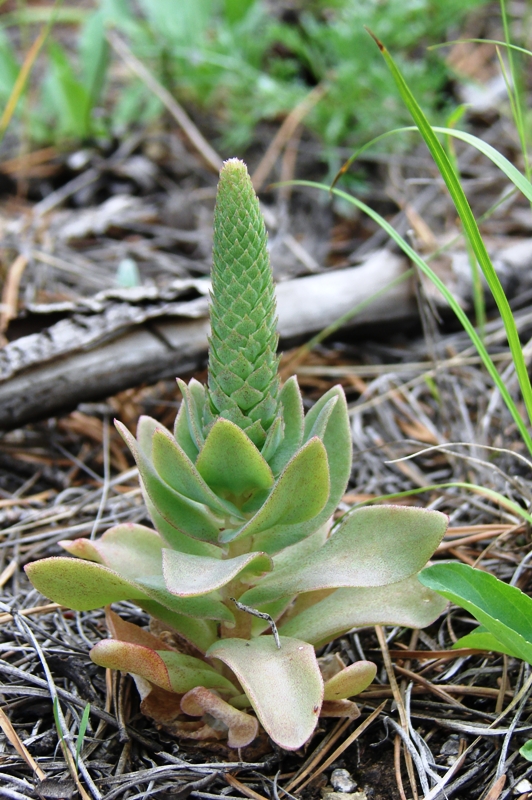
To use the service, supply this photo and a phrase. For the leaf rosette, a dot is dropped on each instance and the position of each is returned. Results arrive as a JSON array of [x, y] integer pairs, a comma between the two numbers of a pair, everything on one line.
[[241, 495]]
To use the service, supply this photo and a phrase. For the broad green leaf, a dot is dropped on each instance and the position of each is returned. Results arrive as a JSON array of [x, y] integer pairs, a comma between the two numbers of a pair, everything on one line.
[[192, 518], [299, 494], [187, 575], [231, 464], [372, 546], [291, 406], [405, 603], [172, 671], [284, 685], [504, 610], [526, 750], [175, 468], [481, 639], [350, 681], [242, 728]]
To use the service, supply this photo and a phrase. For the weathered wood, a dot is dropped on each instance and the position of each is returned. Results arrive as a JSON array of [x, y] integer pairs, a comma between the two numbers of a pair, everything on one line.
[[122, 339]]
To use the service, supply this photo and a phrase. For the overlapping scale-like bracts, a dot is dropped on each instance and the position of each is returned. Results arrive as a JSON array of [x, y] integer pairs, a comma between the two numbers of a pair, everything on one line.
[[243, 383]]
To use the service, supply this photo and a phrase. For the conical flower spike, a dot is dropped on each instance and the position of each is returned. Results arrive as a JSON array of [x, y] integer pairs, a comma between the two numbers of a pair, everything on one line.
[[243, 382]]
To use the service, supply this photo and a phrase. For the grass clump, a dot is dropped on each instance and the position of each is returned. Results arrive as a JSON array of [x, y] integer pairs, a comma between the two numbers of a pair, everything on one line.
[[236, 60]]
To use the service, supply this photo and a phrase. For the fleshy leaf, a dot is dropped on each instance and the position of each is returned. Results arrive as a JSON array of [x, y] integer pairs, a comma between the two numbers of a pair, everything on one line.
[[175, 468], [299, 494], [80, 585], [274, 437], [338, 443], [182, 433], [405, 603], [177, 539], [172, 671], [372, 546], [284, 686], [187, 575], [84, 585], [320, 424], [194, 401], [350, 681], [129, 549], [132, 551], [192, 518], [291, 406], [503, 609], [242, 727], [231, 464]]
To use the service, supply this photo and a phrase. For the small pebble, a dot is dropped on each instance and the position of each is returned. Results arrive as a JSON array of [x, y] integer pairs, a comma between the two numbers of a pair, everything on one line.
[[523, 786], [341, 781]]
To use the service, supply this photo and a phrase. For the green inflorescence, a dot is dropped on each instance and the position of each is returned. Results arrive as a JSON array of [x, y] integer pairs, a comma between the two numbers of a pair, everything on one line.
[[243, 383]]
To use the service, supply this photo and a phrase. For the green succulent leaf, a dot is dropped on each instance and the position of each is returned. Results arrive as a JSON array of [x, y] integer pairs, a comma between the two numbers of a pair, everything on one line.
[[337, 441], [129, 549], [84, 585], [194, 404], [81, 585], [192, 518], [504, 610], [350, 681], [320, 424], [405, 603], [172, 671], [372, 546], [291, 407], [187, 575], [182, 432], [243, 381], [175, 468], [274, 437], [231, 464], [299, 494], [284, 685], [176, 538]]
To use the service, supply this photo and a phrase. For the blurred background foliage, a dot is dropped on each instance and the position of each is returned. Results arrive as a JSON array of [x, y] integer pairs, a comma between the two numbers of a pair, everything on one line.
[[235, 62]]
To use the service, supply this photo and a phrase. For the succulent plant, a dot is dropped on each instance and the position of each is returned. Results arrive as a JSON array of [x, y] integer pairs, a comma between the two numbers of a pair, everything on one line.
[[245, 573]]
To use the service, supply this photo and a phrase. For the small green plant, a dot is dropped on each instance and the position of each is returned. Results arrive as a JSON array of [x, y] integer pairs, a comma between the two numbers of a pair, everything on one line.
[[504, 612], [237, 60], [245, 573]]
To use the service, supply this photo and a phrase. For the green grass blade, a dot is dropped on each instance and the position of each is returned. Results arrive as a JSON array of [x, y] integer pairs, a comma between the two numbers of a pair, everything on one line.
[[498, 42], [511, 172], [82, 730], [462, 316], [491, 494], [470, 227]]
